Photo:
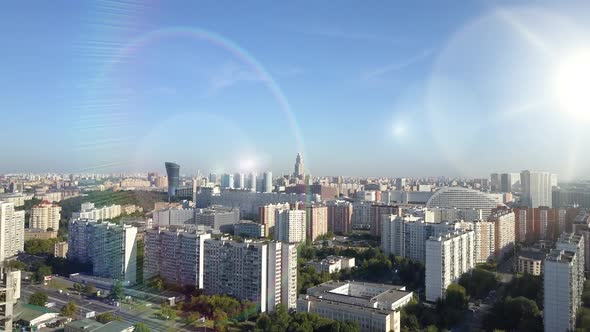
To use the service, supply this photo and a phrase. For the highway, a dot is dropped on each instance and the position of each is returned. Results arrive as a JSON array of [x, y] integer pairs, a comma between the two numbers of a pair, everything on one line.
[[85, 305]]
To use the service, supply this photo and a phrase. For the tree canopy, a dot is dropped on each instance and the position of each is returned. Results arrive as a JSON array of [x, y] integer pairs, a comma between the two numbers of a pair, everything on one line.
[[280, 320], [38, 298]]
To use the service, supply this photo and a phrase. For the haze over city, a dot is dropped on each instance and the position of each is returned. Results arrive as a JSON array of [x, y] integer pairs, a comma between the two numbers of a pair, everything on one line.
[[400, 89]]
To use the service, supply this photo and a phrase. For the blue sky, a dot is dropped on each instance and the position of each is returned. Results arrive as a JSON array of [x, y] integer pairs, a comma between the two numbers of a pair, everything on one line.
[[386, 89]]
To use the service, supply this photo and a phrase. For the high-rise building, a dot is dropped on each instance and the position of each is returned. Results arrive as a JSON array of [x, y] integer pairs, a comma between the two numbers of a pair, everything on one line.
[[239, 181], [317, 220], [574, 243], [406, 236], [175, 255], [261, 272], [112, 249], [448, 256], [495, 182], [562, 290], [536, 189], [299, 171], [290, 226], [227, 181], [267, 182], [173, 172], [267, 215], [45, 216], [12, 231], [340, 217], [252, 182], [504, 231]]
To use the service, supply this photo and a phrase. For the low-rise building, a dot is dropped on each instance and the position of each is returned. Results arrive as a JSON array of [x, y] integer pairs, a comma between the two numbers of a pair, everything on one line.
[[332, 264], [249, 229], [90, 325], [374, 307], [60, 249], [530, 261], [40, 234]]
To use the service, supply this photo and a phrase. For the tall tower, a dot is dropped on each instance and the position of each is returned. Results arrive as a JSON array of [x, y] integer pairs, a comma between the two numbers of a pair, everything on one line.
[[299, 168], [173, 171]]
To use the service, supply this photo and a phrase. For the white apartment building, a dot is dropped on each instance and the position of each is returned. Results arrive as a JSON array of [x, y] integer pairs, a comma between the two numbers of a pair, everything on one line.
[[249, 229], [574, 243], [562, 290], [484, 240], [15, 198], [10, 292], [248, 202], [448, 256], [88, 211], [267, 216], [112, 249], [12, 230], [405, 236], [332, 264], [375, 307], [504, 231], [262, 272], [45, 216], [175, 255], [290, 225]]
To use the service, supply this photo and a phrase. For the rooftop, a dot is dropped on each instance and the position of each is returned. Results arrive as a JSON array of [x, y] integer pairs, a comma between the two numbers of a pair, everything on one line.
[[361, 294], [532, 254], [563, 256]]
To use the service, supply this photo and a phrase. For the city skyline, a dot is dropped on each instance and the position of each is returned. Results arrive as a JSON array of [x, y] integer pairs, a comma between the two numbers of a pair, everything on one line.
[[406, 92]]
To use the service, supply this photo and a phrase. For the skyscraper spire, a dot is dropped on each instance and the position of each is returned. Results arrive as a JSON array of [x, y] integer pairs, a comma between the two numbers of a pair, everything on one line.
[[299, 167]]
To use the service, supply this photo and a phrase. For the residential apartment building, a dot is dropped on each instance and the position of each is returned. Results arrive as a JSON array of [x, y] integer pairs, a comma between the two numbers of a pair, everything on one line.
[[112, 249], [448, 256], [332, 264], [60, 249], [536, 189], [504, 231], [9, 293], [562, 290], [317, 221], [340, 216], [12, 229], [175, 255], [88, 211], [45, 216], [375, 307], [262, 272], [530, 261], [378, 213], [290, 225], [267, 215]]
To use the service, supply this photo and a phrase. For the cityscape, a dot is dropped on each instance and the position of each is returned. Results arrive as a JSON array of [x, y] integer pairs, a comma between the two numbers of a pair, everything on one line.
[[294, 167]]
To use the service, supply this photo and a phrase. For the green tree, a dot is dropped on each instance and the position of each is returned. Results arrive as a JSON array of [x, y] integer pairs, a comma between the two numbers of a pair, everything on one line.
[[478, 283], [78, 287], [38, 298], [141, 327], [167, 312], [89, 289], [69, 310], [117, 292], [41, 272], [456, 297], [106, 317], [17, 265]]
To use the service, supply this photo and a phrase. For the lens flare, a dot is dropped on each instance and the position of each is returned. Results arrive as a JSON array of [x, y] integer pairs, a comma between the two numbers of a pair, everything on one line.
[[572, 82]]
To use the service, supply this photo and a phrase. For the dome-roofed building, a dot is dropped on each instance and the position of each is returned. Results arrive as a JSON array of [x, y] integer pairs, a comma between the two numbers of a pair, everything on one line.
[[463, 198]]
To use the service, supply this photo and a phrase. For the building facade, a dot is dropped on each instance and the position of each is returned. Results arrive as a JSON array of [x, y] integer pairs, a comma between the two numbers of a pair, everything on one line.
[[12, 229], [317, 221], [290, 225], [504, 231], [340, 217], [45, 216]]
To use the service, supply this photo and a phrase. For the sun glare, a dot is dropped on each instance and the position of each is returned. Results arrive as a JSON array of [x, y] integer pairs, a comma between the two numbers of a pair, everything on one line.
[[573, 84]]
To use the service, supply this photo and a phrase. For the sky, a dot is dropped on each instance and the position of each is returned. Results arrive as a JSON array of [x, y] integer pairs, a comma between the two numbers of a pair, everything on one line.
[[386, 88]]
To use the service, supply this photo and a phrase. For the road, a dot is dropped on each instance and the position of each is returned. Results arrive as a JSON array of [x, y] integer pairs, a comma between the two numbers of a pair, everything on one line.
[[85, 305]]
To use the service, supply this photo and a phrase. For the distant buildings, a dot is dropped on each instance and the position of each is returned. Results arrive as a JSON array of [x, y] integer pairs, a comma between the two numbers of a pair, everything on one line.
[[299, 169], [112, 249], [448, 256], [536, 189], [332, 264], [175, 255], [45, 216], [15, 198], [173, 172], [12, 227], [267, 216], [340, 217], [215, 217], [262, 272], [378, 213], [290, 225], [88, 211], [441, 214], [374, 307], [267, 182]]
